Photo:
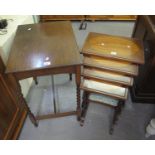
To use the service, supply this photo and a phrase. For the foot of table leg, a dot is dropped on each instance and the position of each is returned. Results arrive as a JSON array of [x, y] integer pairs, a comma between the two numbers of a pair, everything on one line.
[[70, 77], [117, 112], [35, 79], [31, 116], [33, 119], [82, 122], [85, 104]]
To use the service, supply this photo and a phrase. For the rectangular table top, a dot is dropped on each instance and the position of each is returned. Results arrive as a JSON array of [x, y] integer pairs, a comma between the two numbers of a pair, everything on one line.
[[104, 88], [111, 65], [108, 46], [107, 76], [43, 45]]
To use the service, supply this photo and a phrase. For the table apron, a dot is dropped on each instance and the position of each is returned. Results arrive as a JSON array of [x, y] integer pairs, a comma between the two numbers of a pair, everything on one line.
[[47, 71]]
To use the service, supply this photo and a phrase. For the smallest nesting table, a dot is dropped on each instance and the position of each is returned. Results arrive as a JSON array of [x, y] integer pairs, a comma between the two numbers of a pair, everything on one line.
[[45, 49]]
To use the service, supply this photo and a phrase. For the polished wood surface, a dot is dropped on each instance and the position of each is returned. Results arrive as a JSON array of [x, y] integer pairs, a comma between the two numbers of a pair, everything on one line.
[[45, 45], [104, 88], [12, 109], [110, 17], [114, 47], [111, 65], [107, 76], [45, 49], [61, 17], [110, 62], [44, 18]]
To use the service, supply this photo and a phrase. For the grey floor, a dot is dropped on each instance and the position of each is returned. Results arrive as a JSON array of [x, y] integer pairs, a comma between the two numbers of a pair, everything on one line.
[[131, 123]]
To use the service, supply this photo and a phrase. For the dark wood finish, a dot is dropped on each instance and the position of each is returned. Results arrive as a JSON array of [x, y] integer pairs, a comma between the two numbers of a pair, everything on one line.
[[47, 71], [44, 45], [78, 82], [85, 104], [114, 47], [12, 108], [44, 18], [107, 76], [143, 90], [104, 88], [45, 49], [111, 17], [111, 65]]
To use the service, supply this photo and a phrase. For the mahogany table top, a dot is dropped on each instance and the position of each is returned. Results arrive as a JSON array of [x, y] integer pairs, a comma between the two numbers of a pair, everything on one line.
[[115, 47], [43, 45]]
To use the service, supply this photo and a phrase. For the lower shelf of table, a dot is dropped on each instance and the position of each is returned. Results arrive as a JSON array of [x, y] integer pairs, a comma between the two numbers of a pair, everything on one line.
[[103, 99], [55, 115]]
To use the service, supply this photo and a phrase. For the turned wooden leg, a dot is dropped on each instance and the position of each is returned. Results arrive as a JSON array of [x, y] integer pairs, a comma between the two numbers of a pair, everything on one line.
[[117, 112], [78, 103], [23, 101], [78, 81], [31, 116], [35, 80], [83, 98], [85, 104], [70, 77]]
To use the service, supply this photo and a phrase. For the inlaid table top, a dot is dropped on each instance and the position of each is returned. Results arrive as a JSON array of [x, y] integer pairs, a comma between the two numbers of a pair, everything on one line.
[[115, 47], [43, 45]]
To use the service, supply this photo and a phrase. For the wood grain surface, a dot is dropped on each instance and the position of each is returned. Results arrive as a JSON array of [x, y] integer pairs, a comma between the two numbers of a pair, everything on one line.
[[107, 76], [43, 45], [111, 65], [115, 47]]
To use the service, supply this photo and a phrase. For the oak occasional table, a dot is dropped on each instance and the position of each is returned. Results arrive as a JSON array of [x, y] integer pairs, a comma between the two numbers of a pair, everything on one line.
[[45, 49]]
